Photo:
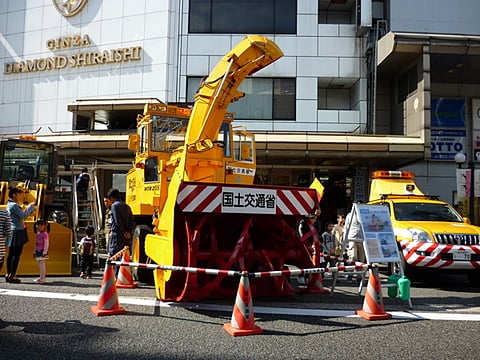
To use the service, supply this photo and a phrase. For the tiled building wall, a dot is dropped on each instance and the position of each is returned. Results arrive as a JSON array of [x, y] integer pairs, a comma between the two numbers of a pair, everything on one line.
[[39, 99], [320, 53]]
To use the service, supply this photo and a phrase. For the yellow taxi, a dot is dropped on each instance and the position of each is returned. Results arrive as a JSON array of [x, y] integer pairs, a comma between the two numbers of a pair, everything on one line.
[[429, 232]]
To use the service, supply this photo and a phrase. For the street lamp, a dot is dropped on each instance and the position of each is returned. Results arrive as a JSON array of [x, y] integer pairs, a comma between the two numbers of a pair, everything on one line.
[[460, 158]]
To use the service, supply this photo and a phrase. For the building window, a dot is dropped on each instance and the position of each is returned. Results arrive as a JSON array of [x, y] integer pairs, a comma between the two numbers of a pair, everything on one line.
[[407, 84], [337, 12], [243, 16], [334, 98], [265, 98]]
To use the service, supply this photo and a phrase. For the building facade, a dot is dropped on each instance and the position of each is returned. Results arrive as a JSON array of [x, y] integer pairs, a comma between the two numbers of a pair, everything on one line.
[[363, 84]]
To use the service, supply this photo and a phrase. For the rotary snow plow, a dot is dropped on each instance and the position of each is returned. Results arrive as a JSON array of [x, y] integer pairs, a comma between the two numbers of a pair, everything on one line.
[[194, 172]]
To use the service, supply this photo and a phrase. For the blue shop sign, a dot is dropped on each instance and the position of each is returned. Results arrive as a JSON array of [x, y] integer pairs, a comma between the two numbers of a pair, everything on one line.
[[448, 113], [447, 128]]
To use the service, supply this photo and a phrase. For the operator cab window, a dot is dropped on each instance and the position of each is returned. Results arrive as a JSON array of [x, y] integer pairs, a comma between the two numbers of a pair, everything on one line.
[[224, 137], [151, 170]]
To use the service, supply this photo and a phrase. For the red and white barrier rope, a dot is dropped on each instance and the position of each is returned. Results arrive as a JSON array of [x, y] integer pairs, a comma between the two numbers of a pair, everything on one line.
[[261, 274], [178, 268], [297, 272]]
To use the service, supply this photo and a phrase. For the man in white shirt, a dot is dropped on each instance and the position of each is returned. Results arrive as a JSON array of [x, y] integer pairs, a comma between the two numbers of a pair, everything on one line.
[[354, 237]]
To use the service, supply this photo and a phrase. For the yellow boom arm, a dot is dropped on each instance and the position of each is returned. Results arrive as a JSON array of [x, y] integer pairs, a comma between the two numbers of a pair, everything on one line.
[[216, 93], [220, 88]]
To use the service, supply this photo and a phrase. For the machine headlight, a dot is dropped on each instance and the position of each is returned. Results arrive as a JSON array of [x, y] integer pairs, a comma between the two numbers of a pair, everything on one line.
[[420, 235]]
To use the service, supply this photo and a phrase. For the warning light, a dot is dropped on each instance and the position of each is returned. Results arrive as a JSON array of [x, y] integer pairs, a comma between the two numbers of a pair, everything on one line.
[[386, 174], [28, 137]]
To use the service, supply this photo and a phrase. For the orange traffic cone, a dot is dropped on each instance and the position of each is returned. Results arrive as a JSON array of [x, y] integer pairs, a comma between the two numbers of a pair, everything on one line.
[[108, 301], [125, 278], [373, 303], [243, 321]]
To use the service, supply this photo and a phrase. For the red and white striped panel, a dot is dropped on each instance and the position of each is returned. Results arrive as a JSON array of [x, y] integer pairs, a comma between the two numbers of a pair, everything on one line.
[[205, 198], [412, 252]]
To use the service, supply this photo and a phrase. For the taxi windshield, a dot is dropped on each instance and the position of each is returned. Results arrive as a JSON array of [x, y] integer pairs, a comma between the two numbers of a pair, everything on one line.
[[425, 212]]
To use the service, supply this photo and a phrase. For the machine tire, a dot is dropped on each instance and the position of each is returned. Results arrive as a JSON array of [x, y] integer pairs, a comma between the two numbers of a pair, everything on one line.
[[138, 254]]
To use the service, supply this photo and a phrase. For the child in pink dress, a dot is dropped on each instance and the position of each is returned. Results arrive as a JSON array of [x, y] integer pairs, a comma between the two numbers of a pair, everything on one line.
[[41, 248]]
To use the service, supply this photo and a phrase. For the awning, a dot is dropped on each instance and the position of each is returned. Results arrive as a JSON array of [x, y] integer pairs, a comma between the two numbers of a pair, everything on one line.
[[279, 150], [89, 105]]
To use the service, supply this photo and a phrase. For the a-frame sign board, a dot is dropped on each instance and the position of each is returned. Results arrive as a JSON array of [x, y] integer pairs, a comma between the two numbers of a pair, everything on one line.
[[379, 240]]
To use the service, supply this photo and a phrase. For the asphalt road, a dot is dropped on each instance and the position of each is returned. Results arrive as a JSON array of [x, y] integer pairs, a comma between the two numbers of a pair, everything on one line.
[[55, 321]]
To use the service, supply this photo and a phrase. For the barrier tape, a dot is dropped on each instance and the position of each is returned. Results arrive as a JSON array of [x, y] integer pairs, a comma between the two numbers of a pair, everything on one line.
[[118, 255], [178, 268], [261, 274], [348, 268], [339, 258]]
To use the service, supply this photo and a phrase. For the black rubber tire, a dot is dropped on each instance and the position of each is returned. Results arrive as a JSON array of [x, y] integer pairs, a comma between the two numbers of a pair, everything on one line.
[[138, 254]]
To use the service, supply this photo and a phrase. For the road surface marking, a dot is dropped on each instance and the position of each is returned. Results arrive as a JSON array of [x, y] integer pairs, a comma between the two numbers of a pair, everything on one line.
[[403, 315]]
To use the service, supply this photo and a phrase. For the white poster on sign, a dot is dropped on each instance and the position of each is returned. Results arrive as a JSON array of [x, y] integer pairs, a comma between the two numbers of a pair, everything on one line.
[[379, 240]]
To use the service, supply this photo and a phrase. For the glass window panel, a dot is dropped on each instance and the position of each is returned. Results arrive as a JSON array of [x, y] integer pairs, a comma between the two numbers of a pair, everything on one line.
[[285, 17], [250, 16], [258, 100], [151, 169], [199, 20], [192, 87], [243, 16], [284, 91], [24, 160], [265, 98]]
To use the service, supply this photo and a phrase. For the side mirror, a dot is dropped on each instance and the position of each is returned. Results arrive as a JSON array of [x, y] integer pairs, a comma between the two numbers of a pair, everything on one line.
[[133, 142], [246, 152]]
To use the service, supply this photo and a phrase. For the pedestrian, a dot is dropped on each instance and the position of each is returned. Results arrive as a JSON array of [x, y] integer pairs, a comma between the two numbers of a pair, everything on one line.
[[5, 231], [86, 247], [41, 229], [122, 224], [328, 241], [83, 182], [19, 235], [309, 231], [354, 235], [338, 231], [107, 229]]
